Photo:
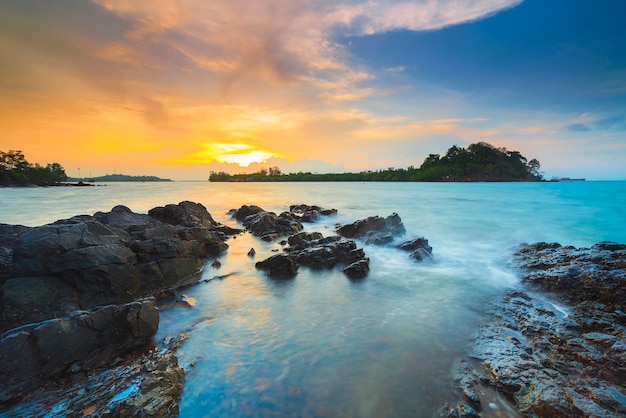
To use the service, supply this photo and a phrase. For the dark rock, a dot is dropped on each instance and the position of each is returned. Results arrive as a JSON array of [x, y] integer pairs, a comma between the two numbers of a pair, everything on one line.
[[114, 257], [306, 213], [419, 248], [186, 213], [358, 269], [280, 266], [267, 225], [148, 385], [374, 229], [552, 360], [49, 349], [251, 253]]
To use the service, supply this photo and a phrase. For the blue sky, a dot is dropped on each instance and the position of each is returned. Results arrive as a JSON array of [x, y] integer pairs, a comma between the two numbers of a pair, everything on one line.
[[179, 89]]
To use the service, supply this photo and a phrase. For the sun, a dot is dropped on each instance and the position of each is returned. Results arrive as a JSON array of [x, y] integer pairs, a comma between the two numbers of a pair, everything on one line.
[[244, 159]]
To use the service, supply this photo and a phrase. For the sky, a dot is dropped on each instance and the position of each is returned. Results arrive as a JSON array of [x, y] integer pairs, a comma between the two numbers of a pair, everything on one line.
[[180, 88]]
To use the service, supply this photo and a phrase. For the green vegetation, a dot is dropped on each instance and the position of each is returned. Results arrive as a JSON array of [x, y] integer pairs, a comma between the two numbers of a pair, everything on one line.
[[120, 177], [477, 162], [16, 171]]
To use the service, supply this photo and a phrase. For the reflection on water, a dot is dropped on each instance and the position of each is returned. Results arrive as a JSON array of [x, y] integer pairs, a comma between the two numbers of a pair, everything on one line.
[[321, 345]]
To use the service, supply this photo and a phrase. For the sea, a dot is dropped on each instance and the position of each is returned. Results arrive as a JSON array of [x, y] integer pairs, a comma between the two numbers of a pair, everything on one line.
[[320, 344]]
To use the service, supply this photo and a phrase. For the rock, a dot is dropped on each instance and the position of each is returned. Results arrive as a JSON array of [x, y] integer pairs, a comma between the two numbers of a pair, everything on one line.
[[358, 269], [419, 248], [51, 348], [306, 213], [555, 360], [280, 266], [251, 253], [147, 385], [374, 229], [108, 258], [186, 213], [577, 274], [267, 225]]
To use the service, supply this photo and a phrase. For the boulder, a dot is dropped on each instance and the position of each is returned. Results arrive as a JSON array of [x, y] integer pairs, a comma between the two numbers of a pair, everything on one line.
[[108, 258], [307, 213], [279, 266], [83, 340], [418, 247], [267, 225], [374, 229], [358, 269], [186, 213]]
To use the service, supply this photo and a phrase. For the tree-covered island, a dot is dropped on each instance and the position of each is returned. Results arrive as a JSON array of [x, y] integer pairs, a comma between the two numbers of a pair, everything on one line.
[[16, 171], [477, 162]]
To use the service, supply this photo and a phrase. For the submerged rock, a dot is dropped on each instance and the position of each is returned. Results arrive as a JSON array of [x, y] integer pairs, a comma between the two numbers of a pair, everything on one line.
[[374, 229], [551, 359]]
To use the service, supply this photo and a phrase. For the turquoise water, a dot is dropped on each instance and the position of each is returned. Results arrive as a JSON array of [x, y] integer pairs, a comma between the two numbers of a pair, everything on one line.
[[321, 345]]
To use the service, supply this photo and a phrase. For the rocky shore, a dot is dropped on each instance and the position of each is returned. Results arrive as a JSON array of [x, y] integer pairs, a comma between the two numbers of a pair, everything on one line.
[[79, 307], [555, 347]]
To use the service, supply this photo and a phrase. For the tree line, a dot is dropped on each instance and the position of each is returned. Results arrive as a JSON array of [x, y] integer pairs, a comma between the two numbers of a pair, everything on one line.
[[15, 170], [477, 162]]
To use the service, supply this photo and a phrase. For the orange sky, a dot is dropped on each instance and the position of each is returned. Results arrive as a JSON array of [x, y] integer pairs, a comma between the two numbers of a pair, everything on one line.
[[177, 89]]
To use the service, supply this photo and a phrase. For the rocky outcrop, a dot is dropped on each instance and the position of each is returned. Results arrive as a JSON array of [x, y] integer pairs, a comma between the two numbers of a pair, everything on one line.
[[577, 274], [266, 225], [315, 251], [34, 353], [550, 359], [146, 386], [186, 213], [308, 213], [374, 229], [279, 266], [418, 247], [109, 258]]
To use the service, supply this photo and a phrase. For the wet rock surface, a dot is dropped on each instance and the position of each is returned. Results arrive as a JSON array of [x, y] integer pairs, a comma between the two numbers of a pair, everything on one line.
[[74, 308], [266, 225], [418, 247], [561, 352], [315, 251], [374, 229], [149, 385], [109, 258], [34, 353], [310, 213]]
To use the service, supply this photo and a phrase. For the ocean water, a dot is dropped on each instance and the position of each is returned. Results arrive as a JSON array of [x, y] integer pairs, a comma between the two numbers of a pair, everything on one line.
[[321, 345]]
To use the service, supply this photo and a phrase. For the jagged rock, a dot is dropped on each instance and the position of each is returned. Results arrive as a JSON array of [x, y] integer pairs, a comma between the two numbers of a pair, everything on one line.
[[306, 213], [577, 274], [88, 261], [148, 385], [267, 225], [419, 248], [358, 269], [33, 353], [280, 266], [186, 213], [374, 229], [555, 360]]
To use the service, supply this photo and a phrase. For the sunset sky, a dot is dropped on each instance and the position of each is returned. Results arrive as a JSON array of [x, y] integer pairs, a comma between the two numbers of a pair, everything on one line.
[[180, 88]]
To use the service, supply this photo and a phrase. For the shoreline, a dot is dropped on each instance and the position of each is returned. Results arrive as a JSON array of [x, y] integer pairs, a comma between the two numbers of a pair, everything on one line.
[[190, 223]]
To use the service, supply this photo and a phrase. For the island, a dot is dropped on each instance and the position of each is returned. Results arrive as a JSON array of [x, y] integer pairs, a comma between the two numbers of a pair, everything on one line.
[[477, 162], [118, 178]]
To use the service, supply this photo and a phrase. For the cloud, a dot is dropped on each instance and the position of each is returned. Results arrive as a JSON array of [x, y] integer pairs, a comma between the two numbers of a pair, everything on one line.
[[578, 127], [611, 122]]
